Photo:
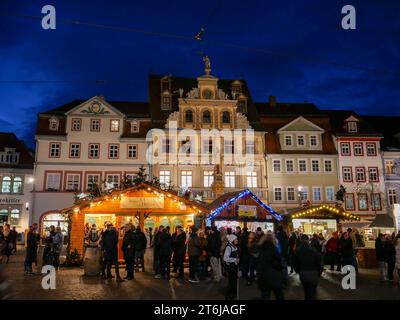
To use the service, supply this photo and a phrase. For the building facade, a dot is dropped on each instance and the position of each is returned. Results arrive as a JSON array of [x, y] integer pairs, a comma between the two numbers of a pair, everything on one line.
[[16, 181], [82, 145], [360, 164]]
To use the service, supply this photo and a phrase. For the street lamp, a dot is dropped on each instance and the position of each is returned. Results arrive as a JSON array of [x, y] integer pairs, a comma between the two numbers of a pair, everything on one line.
[[300, 196]]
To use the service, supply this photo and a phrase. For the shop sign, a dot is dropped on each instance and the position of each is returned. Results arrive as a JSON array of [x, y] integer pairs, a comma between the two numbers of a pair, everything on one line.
[[142, 202], [10, 200], [247, 211]]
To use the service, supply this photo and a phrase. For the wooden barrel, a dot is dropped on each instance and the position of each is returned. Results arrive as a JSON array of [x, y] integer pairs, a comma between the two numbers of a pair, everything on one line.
[[92, 266]]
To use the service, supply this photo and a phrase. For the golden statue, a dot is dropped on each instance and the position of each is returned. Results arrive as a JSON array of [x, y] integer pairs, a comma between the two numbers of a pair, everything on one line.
[[207, 64]]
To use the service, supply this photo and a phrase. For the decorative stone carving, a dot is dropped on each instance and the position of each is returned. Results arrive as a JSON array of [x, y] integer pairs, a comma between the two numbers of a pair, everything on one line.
[[242, 122], [222, 95], [193, 94], [174, 116]]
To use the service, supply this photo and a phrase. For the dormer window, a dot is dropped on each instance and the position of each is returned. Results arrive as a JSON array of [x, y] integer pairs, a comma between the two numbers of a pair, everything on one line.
[[242, 104], [236, 87], [226, 117], [134, 126], [166, 101], [166, 84], [352, 127], [53, 124], [189, 116]]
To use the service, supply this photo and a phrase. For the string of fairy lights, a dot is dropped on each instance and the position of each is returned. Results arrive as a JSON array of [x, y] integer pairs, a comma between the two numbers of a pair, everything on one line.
[[313, 211]]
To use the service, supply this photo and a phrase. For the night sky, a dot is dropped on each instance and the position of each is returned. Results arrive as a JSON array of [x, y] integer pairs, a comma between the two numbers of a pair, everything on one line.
[[295, 50]]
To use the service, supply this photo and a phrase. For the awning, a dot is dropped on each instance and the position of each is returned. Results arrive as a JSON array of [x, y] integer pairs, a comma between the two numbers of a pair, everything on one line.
[[322, 212]]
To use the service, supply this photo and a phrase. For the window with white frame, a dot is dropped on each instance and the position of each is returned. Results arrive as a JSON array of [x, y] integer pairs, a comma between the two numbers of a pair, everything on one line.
[[251, 180], [186, 179], [389, 167], [315, 165], [352, 127], [360, 174], [300, 141], [95, 125], [330, 194], [207, 146], [15, 217], [328, 165], [53, 124], [302, 165], [371, 149], [73, 182], [290, 193], [392, 196], [134, 126], [276, 165], [74, 150], [250, 147], [288, 140], [166, 146], [289, 165], [362, 201], [165, 177], [6, 184], [376, 201], [303, 193], [55, 150], [208, 178], [313, 141], [373, 174], [358, 149], [76, 124], [347, 174], [113, 180], [317, 194], [17, 185], [113, 151], [278, 194], [230, 179], [345, 148], [132, 151], [228, 146], [94, 150], [93, 182], [114, 125], [53, 181]]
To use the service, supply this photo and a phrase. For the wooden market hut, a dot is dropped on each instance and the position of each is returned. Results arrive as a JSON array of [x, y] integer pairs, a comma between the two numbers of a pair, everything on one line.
[[241, 206], [322, 216], [144, 205]]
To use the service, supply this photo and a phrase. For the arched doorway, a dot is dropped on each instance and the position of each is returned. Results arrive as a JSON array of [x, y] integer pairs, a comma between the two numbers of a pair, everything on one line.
[[53, 218]]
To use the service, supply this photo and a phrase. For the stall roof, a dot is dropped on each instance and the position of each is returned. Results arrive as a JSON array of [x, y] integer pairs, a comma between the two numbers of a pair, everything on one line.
[[223, 202], [382, 221], [322, 211]]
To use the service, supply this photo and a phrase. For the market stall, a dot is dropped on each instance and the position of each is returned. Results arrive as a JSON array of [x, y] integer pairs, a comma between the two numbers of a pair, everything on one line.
[[244, 209]]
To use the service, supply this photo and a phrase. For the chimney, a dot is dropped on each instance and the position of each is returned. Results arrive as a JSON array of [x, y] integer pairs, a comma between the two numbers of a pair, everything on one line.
[[272, 101]]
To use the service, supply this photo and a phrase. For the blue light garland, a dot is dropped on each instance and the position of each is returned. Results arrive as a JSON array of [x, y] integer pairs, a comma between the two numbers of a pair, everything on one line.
[[246, 192]]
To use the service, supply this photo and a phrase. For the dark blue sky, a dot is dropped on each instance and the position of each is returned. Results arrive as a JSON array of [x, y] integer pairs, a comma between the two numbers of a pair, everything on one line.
[[295, 50]]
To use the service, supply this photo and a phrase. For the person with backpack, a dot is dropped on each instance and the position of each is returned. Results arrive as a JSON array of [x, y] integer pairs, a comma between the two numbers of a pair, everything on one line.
[[231, 260]]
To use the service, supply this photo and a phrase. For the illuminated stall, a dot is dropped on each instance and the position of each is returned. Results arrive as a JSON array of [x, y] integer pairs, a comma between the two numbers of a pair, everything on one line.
[[143, 205], [323, 219], [242, 208]]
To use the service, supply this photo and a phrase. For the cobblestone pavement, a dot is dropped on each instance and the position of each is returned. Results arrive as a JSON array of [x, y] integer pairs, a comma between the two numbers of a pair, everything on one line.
[[72, 284]]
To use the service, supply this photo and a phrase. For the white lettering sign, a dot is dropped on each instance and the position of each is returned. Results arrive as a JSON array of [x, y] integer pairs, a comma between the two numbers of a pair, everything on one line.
[[142, 202]]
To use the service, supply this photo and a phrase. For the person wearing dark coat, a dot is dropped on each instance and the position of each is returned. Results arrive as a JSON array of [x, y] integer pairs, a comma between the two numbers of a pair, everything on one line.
[[244, 253], [156, 254], [128, 248], [179, 250], [283, 240], [347, 250], [307, 262], [110, 251], [315, 243], [165, 251], [31, 250], [292, 245], [140, 248], [214, 252], [194, 252], [380, 256], [269, 268], [390, 256], [14, 238]]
